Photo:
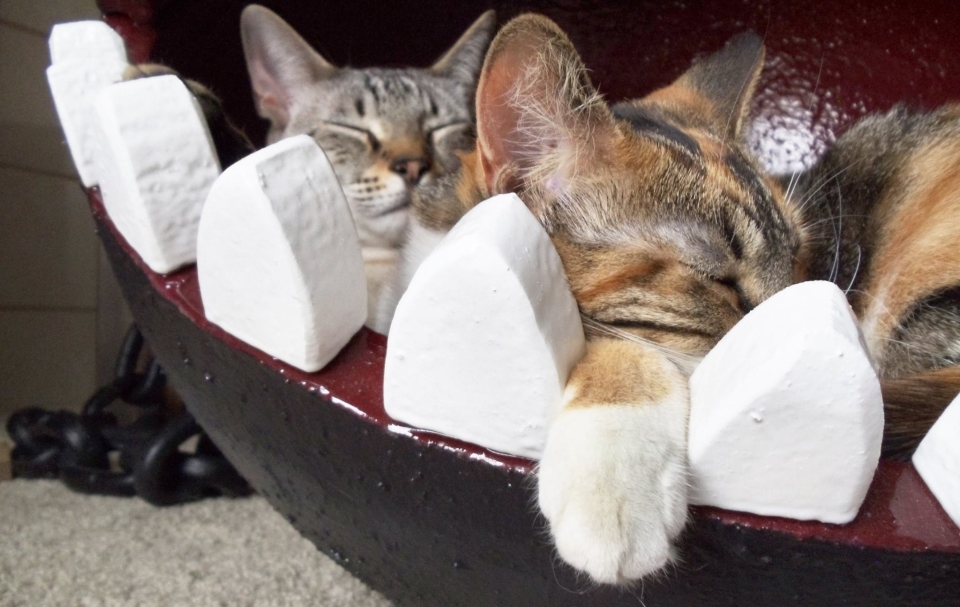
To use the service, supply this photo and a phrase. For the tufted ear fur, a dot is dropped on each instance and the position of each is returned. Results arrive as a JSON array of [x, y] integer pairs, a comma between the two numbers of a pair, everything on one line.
[[280, 62], [463, 60], [715, 93], [539, 119]]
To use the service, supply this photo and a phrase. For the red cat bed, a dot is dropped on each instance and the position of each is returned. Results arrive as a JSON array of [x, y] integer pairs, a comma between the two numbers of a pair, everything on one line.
[[431, 521]]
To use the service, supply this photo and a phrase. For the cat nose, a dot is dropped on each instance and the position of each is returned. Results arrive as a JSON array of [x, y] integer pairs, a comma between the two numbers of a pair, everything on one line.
[[411, 169]]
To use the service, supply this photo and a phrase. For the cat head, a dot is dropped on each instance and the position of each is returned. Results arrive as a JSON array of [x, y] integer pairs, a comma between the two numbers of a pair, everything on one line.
[[667, 228], [385, 131]]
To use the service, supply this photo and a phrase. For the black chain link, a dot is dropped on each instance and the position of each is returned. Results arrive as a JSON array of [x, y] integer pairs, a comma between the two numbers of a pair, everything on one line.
[[148, 460]]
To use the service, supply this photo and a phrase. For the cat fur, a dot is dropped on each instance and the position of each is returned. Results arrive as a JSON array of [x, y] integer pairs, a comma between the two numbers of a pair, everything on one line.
[[387, 132], [669, 232]]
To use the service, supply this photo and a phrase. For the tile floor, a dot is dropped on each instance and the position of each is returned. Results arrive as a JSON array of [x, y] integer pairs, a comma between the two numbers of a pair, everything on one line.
[[61, 315]]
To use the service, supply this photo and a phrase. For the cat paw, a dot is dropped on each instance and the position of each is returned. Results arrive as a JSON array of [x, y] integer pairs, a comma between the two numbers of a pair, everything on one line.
[[613, 486]]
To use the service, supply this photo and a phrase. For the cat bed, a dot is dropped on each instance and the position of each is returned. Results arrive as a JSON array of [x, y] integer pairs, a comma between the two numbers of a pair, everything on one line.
[[433, 521]]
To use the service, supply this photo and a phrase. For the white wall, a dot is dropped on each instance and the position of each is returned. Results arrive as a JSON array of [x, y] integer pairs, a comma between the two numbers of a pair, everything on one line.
[[60, 310]]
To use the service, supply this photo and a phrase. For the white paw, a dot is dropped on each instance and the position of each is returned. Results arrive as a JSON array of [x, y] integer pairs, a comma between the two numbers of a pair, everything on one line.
[[613, 485]]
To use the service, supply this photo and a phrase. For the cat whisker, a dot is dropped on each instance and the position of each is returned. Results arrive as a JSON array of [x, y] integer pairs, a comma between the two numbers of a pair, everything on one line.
[[856, 270], [835, 272], [912, 347], [819, 72], [633, 593], [687, 363], [875, 299], [833, 217], [952, 315], [376, 200], [792, 185], [581, 579], [872, 297], [810, 196]]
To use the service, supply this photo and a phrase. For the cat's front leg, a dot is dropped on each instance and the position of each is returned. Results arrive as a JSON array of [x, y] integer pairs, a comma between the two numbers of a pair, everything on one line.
[[613, 478]]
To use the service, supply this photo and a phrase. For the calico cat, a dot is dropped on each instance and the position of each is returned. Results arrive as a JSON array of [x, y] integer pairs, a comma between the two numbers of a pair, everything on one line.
[[386, 132], [882, 213], [669, 233]]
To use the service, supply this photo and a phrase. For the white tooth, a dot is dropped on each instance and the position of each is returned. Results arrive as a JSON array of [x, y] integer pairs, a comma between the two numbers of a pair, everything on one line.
[[786, 415], [156, 163], [937, 459], [86, 40], [279, 261], [75, 85], [485, 336]]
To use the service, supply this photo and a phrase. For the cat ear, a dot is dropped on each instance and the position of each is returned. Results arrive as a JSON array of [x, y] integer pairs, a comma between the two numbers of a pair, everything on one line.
[[463, 60], [727, 80], [279, 61], [539, 119]]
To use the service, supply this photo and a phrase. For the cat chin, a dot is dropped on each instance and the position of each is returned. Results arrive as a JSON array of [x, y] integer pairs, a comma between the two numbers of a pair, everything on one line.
[[384, 231], [613, 485], [419, 242]]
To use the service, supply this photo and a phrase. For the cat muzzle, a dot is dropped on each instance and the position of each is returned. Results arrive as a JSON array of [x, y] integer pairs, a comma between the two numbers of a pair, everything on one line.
[[411, 169]]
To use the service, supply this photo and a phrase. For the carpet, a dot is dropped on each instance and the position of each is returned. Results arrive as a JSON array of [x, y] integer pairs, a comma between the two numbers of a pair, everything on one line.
[[63, 549]]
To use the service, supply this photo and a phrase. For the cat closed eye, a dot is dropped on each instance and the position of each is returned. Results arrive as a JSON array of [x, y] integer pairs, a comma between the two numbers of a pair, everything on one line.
[[734, 288], [352, 131], [443, 130]]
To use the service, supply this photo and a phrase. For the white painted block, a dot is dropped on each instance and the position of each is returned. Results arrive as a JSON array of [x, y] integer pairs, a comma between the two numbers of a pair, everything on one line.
[[937, 459], [786, 416], [485, 336], [156, 163], [75, 86], [85, 40], [278, 256]]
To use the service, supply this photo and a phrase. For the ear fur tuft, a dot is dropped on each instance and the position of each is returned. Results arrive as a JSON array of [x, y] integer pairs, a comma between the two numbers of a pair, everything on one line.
[[537, 112], [464, 59], [280, 63], [728, 79]]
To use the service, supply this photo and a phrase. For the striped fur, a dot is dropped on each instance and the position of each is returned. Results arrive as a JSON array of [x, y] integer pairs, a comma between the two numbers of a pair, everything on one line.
[[669, 233], [387, 132], [882, 211]]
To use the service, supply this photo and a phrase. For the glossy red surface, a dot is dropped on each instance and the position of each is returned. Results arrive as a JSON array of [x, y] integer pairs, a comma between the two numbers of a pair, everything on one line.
[[133, 20], [828, 62], [899, 513], [354, 379]]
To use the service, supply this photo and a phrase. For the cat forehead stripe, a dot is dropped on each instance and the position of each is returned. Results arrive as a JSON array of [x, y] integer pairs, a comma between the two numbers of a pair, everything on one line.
[[388, 90], [643, 122], [392, 85], [767, 217]]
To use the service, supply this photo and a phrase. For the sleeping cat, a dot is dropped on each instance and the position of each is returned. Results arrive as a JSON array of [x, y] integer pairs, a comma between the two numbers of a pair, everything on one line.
[[669, 233], [386, 132]]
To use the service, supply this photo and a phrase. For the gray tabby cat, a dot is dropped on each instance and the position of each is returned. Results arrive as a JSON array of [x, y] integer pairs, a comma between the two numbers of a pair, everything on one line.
[[387, 132]]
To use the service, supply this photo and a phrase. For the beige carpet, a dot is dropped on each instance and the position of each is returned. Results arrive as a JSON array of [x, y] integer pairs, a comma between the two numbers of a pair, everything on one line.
[[61, 549]]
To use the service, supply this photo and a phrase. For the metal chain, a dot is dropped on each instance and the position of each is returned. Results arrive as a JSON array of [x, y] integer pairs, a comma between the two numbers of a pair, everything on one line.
[[148, 460]]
